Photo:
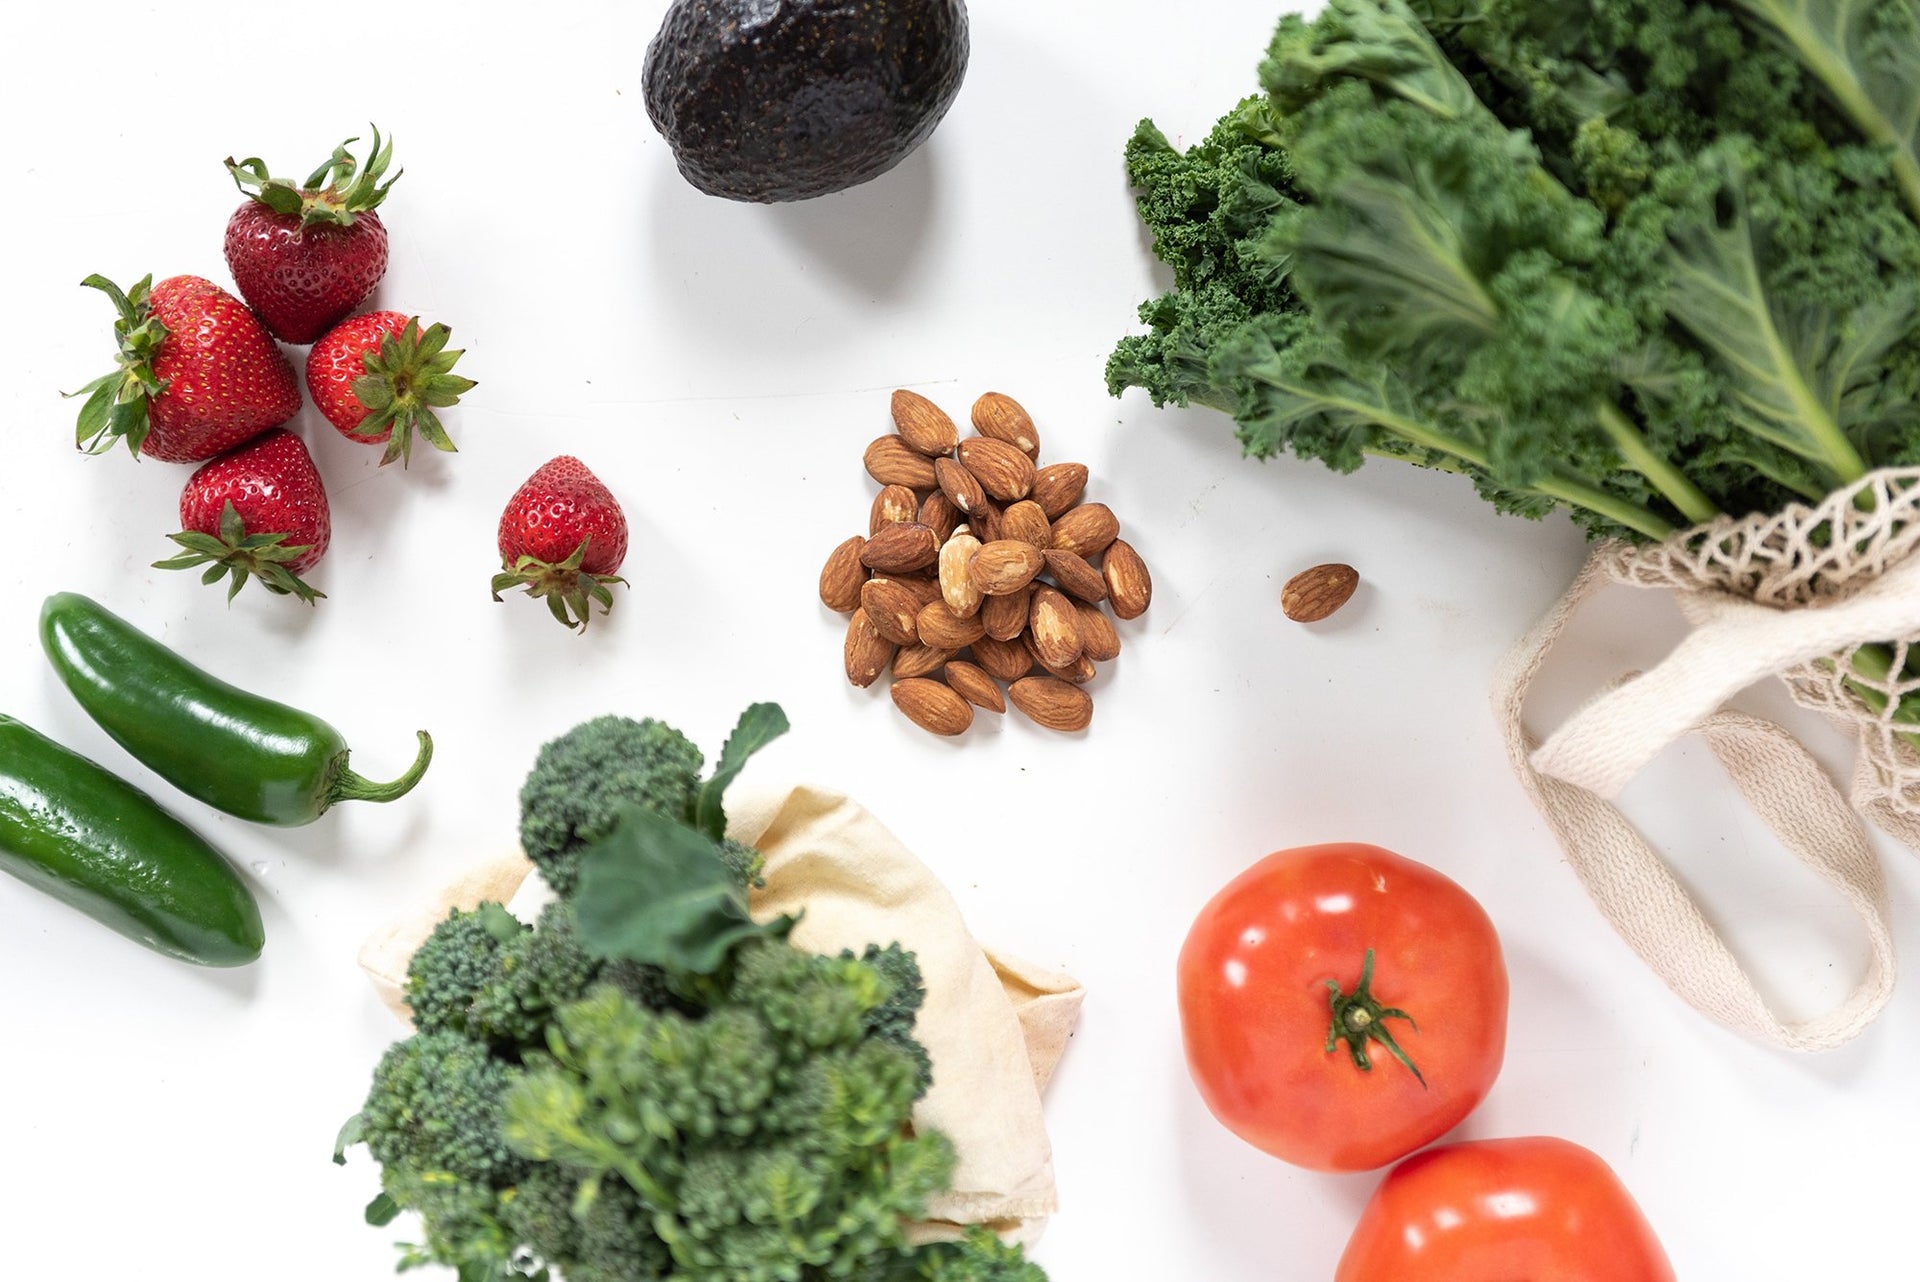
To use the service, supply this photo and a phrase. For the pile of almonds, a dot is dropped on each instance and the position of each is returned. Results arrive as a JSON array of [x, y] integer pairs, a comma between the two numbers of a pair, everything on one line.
[[981, 568]]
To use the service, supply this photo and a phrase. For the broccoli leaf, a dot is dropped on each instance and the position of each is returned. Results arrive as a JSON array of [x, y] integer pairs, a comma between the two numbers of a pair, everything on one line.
[[657, 892], [759, 726]]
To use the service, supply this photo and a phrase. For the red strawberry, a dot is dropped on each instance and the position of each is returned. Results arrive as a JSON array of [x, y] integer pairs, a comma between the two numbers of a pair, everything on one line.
[[259, 511], [378, 377], [198, 375], [562, 537], [305, 255]]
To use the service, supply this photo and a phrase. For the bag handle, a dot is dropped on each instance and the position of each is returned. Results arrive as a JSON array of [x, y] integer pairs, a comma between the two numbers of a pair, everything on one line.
[[1638, 893]]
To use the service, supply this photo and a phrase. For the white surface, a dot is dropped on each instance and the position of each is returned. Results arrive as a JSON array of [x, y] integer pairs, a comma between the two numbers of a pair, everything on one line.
[[721, 367]]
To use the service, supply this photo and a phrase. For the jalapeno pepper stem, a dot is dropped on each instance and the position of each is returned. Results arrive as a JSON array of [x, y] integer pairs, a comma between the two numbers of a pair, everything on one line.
[[1358, 1018], [348, 786]]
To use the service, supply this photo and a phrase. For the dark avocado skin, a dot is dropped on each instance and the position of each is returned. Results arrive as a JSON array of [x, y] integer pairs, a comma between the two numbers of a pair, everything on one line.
[[773, 100]]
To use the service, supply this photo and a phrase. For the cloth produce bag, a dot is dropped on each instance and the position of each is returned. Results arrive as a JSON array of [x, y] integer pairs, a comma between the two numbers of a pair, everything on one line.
[[994, 1026], [1798, 594]]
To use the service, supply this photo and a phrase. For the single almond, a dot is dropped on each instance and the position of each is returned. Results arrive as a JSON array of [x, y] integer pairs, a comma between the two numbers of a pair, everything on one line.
[[1006, 660], [1058, 486], [919, 661], [923, 425], [1003, 471], [923, 586], [959, 485], [893, 505], [842, 575], [932, 705], [867, 652], [1086, 530], [1075, 576], [897, 549], [975, 685], [956, 587], [1312, 595], [1003, 567], [939, 515], [1054, 625], [1025, 521], [1079, 672], [892, 608], [1099, 639], [891, 461], [1004, 419], [1052, 703], [936, 625], [1127, 580], [1005, 616]]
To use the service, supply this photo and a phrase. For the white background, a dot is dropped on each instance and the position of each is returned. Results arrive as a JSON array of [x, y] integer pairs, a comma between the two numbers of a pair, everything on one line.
[[721, 366]]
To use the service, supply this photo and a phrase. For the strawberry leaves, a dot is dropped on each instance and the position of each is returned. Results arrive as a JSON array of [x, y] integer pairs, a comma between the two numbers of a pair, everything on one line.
[[408, 376], [569, 591], [333, 193], [238, 555], [115, 408]]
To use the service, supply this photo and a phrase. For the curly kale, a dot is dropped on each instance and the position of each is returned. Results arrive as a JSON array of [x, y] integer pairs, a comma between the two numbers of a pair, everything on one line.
[[1642, 260], [648, 1084]]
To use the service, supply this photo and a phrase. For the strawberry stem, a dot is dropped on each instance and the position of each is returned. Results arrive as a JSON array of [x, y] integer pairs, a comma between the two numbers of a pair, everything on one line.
[[569, 591], [408, 377], [235, 553], [333, 193], [115, 408]]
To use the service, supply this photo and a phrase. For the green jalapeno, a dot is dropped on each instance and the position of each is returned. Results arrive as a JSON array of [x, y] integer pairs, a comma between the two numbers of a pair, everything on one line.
[[238, 752], [97, 843]]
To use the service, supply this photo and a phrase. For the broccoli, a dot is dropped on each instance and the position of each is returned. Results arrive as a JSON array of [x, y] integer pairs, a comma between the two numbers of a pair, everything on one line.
[[646, 1083]]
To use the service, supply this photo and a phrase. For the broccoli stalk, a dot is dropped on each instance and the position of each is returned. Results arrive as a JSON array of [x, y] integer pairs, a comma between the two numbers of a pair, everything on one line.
[[647, 1084]]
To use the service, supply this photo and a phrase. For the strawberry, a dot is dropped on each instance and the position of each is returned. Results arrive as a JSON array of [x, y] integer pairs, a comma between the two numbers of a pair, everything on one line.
[[305, 255], [562, 537], [378, 377], [198, 374], [260, 511]]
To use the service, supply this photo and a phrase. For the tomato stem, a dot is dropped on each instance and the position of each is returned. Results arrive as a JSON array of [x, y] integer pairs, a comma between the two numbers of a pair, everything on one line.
[[1358, 1019]]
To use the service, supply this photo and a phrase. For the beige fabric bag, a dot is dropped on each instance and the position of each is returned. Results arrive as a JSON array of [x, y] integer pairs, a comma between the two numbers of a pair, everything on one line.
[[1799, 594], [994, 1026]]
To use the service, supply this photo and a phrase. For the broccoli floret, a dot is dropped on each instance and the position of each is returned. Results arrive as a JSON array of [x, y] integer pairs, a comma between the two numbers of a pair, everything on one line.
[[458, 960], [536, 972], [435, 1109], [892, 1021], [580, 780], [979, 1257]]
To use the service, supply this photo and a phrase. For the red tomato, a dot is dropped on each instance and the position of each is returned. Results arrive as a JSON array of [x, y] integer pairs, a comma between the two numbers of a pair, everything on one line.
[[1342, 1006], [1532, 1210]]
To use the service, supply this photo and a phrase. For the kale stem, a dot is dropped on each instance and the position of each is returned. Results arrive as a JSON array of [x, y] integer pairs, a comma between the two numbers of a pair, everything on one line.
[[1668, 479], [1561, 489]]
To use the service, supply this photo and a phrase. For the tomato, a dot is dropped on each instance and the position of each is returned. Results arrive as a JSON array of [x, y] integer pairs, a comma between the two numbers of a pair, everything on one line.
[[1342, 1006], [1529, 1210]]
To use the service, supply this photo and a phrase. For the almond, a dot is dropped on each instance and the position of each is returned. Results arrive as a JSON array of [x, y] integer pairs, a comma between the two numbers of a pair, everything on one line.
[[1099, 639], [959, 485], [892, 610], [891, 461], [938, 515], [897, 549], [956, 587], [976, 686], [936, 625], [1005, 617], [1075, 576], [842, 576], [1003, 471], [1312, 595], [1058, 486], [1001, 417], [986, 522], [1026, 522], [867, 652], [1002, 567], [1053, 703], [1054, 626], [923, 587], [1086, 530], [932, 706], [919, 661], [1007, 660], [1127, 580], [923, 425], [894, 505], [1079, 672]]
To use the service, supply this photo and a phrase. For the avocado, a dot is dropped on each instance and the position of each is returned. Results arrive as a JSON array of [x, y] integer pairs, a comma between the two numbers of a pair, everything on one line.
[[774, 100]]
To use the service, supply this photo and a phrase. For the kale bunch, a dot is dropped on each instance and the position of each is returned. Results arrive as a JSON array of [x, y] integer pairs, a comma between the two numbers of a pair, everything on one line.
[[1645, 261], [646, 1083]]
